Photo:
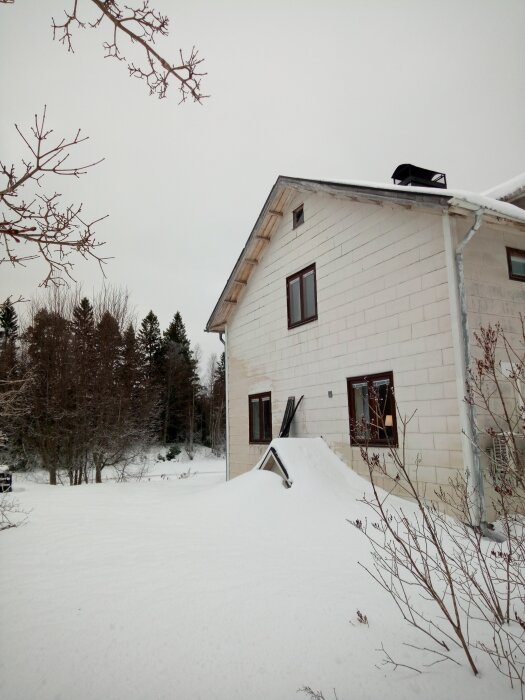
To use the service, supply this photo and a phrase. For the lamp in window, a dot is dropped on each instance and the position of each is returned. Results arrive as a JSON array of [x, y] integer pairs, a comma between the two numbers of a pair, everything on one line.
[[389, 422]]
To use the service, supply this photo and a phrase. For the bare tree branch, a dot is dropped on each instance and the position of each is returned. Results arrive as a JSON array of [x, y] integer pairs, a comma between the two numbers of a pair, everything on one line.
[[142, 25], [49, 229]]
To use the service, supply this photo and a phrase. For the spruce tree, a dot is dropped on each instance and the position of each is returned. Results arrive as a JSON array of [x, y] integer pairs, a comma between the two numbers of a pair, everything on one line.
[[218, 407], [8, 321], [83, 385], [176, 334], [8, 335], [83, 324], [180, 383], [150, 346], [130, 371], [110, 419]]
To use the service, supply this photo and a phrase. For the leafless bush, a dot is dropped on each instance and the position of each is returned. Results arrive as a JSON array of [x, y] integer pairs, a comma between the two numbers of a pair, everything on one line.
[[409, 552], [315, 694], [11, 513], [473, 576], [133, 468]]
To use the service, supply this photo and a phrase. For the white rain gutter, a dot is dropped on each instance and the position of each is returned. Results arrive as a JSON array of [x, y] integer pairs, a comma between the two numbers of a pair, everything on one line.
[[461, 343]]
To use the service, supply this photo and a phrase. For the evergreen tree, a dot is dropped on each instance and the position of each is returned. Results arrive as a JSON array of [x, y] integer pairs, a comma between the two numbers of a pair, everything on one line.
[[218, 407], [8, 321], [176, 334], [13, 405], [131, 365], [83, 384], [110, 421], [49, 428], [150, 346], [83, 326], [89, 405], [180, 384], [8, 336]]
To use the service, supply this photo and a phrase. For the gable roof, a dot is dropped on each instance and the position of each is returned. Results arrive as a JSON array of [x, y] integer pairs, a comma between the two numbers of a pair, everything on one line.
[[283, 190]]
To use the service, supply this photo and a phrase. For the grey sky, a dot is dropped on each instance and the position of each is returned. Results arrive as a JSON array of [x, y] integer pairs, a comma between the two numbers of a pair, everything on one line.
[[340, 90]]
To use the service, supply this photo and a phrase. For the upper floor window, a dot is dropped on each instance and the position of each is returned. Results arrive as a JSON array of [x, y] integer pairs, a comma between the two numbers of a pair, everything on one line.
[[301, 295], [260, 416], [516, 263], [372, 410]]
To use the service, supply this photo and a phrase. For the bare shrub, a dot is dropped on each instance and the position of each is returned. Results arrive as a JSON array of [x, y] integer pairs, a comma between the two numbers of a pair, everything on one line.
[[11, 513], [315, 694], [472, 574]]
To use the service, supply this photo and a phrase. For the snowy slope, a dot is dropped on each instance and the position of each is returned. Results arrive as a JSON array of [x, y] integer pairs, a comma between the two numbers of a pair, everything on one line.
[[195, 588]]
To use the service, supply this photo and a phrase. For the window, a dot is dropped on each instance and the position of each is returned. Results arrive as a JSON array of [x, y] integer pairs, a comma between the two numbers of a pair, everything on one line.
[[301, 297], [260, 409], [372, 409], [298, 216], [516, 263]]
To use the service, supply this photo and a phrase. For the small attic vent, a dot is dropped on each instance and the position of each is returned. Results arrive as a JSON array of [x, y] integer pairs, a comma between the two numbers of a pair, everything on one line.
[[414, 176], [298, 216]]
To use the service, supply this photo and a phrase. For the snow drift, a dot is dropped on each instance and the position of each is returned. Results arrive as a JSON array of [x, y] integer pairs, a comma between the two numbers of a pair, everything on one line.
[[199, 589]]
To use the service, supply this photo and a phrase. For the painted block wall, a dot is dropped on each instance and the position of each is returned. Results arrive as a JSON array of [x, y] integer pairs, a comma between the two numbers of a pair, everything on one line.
[[383, 305], [493, 298]]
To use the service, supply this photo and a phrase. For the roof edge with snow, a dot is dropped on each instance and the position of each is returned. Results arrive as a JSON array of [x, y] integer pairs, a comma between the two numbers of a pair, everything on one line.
[[508, 191], [454, 201]]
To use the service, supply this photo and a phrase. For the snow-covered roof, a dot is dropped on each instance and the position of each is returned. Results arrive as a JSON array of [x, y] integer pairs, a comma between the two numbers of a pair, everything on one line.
[[509, 190], [443, 200], [489, 202]]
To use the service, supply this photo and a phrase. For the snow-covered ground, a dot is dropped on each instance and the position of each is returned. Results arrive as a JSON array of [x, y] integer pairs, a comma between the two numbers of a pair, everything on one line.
[[186, 588]]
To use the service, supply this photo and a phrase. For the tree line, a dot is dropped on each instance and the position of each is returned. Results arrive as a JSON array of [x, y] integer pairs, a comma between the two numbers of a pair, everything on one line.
[[83, 388]]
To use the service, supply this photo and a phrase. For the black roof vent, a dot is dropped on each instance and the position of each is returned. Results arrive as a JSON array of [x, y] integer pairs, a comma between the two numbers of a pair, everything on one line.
[[412, 175]]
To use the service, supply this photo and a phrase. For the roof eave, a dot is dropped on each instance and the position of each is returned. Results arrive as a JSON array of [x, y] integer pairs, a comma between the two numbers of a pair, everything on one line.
[[274, 205]]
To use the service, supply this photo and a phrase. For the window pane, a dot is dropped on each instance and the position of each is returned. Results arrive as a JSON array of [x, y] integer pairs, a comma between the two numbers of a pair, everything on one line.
[[383, 398], [309, 294], [517, 264], [267, 418], [256, 433], [361, 410], [294, 290]]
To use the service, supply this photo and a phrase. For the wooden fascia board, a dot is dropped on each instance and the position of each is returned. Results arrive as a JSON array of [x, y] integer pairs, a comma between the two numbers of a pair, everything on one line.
[[247, 256], [371, 194]]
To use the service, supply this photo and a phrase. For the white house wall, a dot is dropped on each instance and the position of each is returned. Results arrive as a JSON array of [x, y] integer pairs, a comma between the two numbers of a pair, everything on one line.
[[383, 305], [493, 298]]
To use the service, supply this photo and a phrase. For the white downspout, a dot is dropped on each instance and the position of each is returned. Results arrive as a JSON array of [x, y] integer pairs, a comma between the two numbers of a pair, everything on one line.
[[227, 382], [461, 346]]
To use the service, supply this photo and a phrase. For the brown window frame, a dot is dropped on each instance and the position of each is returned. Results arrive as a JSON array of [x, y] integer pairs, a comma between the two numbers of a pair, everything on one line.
[[375, 440], [513, 275], [300, 275], [298, 216], [260, 397]]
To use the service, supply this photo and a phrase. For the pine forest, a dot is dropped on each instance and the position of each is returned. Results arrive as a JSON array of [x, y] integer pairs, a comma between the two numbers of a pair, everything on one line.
[[83, 387]]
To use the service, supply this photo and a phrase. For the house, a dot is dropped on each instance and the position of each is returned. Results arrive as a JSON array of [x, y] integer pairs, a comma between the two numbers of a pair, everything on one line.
[[345, 290]]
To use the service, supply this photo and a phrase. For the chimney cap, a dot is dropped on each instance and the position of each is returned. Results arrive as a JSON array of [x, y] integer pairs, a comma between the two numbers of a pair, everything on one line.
[[408, 174]]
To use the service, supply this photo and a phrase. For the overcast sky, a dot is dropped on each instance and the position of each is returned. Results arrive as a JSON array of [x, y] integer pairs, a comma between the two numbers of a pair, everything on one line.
[[340, 89]]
